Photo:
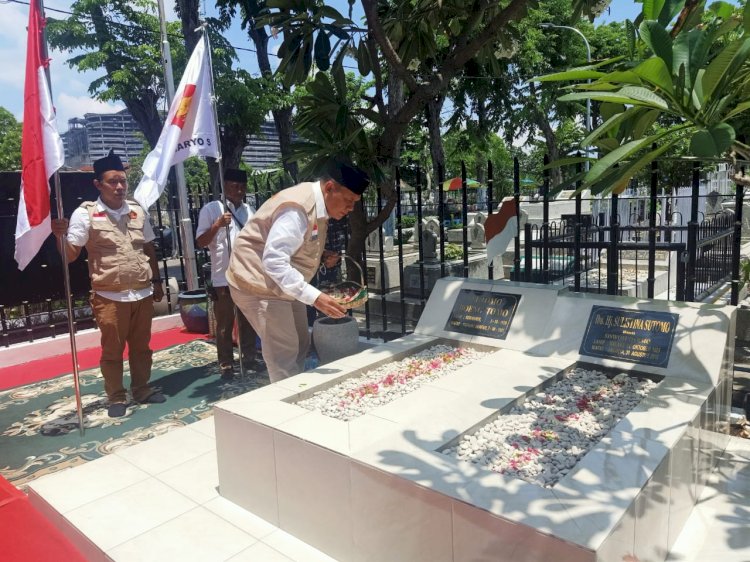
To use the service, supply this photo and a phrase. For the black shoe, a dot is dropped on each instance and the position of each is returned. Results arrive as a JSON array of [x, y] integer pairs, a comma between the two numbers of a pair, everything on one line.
[[116, 410], [227, 373], [257, 365], [155, 398]]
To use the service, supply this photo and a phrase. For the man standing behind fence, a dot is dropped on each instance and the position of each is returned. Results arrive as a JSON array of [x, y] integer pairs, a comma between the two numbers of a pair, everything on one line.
[[212, 234], [125, 280]]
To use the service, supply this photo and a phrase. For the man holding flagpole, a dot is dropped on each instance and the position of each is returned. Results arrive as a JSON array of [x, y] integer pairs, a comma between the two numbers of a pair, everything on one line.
[[42, 154], [219, 223], [125, 280]]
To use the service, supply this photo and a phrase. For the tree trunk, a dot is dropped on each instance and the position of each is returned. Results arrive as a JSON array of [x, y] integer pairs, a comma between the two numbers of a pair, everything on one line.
[[481, 160], [188, 10], [141, 105], [540, 118], [282, 117], [146, 114], [359, 225], [433, 109]]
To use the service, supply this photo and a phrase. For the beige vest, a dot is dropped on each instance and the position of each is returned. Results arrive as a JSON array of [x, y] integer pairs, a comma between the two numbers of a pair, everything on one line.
[[246, 270], [116, 258]]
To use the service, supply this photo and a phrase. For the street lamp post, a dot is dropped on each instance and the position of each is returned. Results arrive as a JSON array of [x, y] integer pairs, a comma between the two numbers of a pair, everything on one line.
[[588, 60]]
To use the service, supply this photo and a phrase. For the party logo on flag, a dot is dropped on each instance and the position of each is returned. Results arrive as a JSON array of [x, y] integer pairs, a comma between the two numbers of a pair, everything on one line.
[[184, 107]]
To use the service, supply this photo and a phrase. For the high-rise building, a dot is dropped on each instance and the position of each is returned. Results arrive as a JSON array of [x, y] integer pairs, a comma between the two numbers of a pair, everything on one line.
[[92, 137], [262, 150]]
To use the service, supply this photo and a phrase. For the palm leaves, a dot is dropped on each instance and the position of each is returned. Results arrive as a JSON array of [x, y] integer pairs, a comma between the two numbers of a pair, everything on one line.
[[694, 79]]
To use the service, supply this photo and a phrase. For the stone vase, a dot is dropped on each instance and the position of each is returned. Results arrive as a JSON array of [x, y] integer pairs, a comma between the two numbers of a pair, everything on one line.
[[194, 310], [335, 338]]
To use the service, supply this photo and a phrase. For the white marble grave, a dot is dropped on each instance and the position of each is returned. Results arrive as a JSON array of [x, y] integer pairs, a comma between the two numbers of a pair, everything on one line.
[[378, 488]]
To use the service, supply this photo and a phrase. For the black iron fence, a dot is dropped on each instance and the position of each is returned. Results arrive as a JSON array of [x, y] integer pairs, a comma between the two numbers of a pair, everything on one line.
[[654, 241]]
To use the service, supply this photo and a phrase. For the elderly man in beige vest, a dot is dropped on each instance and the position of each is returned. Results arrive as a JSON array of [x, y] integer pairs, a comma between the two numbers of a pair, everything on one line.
[[124, 280], [277, 254]]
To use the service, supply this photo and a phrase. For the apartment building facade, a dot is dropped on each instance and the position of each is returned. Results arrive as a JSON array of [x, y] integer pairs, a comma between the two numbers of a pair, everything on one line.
[[91, 137]]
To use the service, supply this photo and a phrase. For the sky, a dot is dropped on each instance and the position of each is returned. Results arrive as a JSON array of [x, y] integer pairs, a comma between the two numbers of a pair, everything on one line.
[[70, 88]]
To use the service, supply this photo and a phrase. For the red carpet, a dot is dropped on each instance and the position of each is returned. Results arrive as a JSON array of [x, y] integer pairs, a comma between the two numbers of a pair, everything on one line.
[[51, 367], [27, 535]]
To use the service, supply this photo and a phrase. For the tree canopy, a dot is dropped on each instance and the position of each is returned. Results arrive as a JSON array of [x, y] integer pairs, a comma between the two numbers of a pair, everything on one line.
[[412, 50], [10, 141], [684, 77], [122, 39]]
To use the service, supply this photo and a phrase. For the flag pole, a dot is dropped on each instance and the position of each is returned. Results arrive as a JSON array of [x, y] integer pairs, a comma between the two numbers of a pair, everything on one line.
[[63, 253], [215, 113], [186, 225]]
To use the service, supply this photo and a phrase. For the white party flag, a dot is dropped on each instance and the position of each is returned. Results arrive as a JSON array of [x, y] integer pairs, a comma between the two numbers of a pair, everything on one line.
[[189, 129]]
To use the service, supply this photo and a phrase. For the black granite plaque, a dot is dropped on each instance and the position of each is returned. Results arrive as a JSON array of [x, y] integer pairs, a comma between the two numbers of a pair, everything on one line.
[[637, 336], [483, 313]]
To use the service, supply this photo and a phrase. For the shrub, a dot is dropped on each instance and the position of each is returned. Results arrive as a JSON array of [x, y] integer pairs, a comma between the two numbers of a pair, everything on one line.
[[453, 252], [408, 221]]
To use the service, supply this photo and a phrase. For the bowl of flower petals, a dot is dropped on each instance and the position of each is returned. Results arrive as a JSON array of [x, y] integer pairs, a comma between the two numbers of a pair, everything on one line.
[[348, 294]]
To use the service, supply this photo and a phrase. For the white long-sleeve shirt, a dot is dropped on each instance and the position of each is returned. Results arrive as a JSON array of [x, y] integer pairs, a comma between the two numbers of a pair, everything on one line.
[[218, 246], [284, 239]]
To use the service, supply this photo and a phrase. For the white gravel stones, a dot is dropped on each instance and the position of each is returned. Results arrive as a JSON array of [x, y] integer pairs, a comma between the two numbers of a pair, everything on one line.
[[541, 440], [358, 395]]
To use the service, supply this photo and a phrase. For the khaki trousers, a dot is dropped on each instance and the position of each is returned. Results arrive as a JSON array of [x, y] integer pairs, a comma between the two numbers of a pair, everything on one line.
[[282, 327], [121, 323], [224, 313]]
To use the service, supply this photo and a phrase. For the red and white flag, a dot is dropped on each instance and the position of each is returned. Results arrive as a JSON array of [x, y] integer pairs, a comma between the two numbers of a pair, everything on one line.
[[500, 228], [42, 150], [189, 129]]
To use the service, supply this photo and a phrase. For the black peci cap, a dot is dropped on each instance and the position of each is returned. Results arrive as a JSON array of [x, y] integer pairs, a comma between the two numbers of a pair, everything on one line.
[[232, 174], [347, 174], [110, 162]]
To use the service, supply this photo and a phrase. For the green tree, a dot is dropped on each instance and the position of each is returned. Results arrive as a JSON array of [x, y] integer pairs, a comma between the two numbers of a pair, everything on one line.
[[413, 49], [687, 69], [123, 39], [250, 11], [461, 146], [494, 94], [10, 141], [120, 38], [242, 101]]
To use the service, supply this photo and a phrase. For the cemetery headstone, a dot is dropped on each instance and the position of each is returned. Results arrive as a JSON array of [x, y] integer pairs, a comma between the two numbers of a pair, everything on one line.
[[429, 244], [477, 237]]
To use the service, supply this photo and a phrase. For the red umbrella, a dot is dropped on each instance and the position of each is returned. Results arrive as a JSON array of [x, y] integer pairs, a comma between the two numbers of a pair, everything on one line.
[[454, 184]]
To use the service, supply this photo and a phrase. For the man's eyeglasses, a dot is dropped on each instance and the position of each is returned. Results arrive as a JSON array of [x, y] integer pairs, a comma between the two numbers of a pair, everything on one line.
[[116, 181]]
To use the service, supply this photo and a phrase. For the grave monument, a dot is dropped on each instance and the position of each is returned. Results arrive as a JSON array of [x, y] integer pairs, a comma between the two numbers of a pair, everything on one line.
[[384, 485]]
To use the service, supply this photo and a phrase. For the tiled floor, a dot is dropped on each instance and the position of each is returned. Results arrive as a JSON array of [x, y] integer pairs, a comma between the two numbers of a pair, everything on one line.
[[159, 501]]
